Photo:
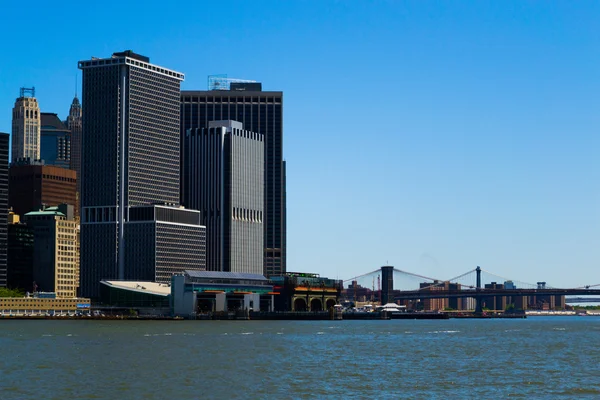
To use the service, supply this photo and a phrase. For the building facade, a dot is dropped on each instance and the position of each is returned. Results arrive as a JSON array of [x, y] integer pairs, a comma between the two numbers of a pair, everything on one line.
[[201, 292], [162, 242], [261, 112], [74, 125], [300, 291], [55, 141], [130, 157], [433, 304], [26, 122], [20, 254], [34, 185], [55, 250], [38, 306], [4, 138], [223, 179]]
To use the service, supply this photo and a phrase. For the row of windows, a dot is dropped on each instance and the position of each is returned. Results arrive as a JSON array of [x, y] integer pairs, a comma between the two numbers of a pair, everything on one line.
[[231, 99], [18, 113]]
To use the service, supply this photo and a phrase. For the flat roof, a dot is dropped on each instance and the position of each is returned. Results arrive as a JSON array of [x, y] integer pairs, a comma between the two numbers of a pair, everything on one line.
[[157, 289], [49, 212], [231, 93], [124, 59], [225, 275]]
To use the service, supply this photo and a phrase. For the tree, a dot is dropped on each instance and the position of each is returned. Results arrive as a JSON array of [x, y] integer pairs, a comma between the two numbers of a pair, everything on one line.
[[6, 292]]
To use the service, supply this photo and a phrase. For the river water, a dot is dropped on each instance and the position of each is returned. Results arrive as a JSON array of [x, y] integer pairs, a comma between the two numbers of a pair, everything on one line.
[[543, 357]]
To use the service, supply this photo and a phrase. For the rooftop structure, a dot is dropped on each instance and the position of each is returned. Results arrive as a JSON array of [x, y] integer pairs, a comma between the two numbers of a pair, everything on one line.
[[222, 82], [27, 92], [157, 289], [224, 277]]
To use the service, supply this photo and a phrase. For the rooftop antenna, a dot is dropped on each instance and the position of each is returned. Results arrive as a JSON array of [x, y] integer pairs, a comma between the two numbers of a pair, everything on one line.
[[75, 84], [30, 91]]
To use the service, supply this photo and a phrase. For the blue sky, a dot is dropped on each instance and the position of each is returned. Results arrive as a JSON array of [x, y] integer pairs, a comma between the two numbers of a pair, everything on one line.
[[433, 136]]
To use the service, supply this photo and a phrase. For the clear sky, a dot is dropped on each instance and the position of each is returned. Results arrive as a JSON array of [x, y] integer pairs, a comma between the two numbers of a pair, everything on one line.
[[434, 136]]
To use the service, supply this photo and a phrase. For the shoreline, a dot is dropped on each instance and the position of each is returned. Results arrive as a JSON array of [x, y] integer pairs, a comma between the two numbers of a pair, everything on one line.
[[290, 316]]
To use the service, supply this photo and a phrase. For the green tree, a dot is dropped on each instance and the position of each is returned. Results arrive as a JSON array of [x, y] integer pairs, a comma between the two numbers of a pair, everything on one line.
[[6, 292]]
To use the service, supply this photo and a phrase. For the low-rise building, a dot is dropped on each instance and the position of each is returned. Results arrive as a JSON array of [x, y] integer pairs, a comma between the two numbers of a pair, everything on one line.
[[299, 291], [19, 270], [218, 291], [143, 297], [55, 250], [42, 305], [189, 294]]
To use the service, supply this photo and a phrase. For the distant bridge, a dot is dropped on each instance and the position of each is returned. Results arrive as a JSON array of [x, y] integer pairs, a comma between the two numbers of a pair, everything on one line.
[[461, 287], [442, 294]]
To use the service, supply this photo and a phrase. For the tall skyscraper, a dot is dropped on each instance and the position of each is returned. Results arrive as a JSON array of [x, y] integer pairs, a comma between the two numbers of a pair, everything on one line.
[[74, 125], [26, 126], [130, 157], [223, 179], [4, 137], [261, 112], [55, 141]]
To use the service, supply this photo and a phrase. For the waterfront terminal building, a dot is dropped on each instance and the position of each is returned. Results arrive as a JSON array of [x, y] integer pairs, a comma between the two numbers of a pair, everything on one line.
[[189, 294], [214, 291], [300, 291]]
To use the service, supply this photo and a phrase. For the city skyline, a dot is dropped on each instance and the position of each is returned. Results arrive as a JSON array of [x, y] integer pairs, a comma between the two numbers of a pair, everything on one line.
[[486, 153]]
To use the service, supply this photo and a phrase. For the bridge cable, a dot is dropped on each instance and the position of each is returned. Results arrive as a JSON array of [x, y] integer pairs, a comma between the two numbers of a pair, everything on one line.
[[451, 280], [361, 276]]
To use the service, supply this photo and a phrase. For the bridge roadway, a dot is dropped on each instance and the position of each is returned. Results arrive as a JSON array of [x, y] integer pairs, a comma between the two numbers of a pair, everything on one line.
[[572, 300], [444, 294]]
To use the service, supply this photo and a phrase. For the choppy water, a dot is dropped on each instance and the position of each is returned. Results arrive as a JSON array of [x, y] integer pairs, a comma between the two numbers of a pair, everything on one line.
[[541, 357]]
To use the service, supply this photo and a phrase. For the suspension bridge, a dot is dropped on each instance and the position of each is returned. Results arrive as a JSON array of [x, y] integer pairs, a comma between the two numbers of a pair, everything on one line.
[[390, 284]]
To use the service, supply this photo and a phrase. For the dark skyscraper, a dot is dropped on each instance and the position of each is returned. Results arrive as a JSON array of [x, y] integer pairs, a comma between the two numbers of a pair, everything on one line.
[[130, 157], [262, 112], [55, 141], [223, 179], [3, 206]]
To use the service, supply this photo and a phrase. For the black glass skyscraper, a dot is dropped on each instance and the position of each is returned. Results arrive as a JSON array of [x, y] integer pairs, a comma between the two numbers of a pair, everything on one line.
[[130, 158], [3, 205], [261, 112]]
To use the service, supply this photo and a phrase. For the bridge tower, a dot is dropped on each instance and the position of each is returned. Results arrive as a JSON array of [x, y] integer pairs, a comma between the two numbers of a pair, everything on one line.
[[478, 296], [387, 290]]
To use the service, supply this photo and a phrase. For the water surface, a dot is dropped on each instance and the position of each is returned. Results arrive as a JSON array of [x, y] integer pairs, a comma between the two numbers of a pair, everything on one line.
[[543, 357]]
